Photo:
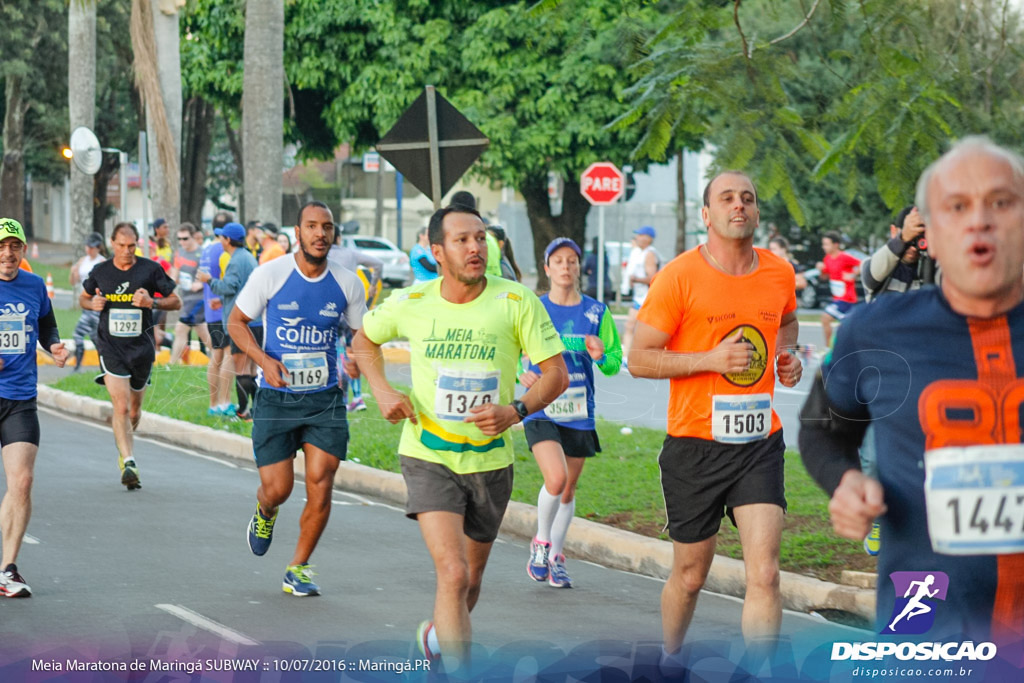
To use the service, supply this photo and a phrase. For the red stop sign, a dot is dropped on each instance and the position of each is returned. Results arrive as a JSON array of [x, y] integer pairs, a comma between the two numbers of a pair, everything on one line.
[[602, 183]]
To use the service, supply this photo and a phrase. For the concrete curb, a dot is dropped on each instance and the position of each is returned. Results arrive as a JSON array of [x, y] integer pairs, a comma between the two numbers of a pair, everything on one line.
[[588, 540]]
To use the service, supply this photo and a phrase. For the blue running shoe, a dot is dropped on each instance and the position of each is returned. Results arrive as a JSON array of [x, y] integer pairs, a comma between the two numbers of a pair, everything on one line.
[[557, 576], [873, 541], [423, 641], [298, 581], [537, 567], [261, 532]]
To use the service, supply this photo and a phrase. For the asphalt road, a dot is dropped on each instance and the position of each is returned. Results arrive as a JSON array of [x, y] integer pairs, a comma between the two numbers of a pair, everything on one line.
[[165, 574]]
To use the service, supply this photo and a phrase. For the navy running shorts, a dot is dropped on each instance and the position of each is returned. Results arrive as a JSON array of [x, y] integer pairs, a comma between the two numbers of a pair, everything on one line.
[[480, 497], [839, 309], [576, 443], [703, 480], [283, 421]]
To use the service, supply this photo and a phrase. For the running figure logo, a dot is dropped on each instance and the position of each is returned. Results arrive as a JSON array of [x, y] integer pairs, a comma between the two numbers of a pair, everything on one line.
[[916, 596]]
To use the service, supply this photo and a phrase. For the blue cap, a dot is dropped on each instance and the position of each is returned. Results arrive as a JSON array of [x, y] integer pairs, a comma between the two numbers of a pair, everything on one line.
[[233, 231], [646, 230], [558, 243]]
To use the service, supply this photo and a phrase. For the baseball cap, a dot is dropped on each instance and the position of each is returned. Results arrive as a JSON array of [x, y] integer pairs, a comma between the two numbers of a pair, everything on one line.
[[233, 231], [558, 243], [94, 240], [646, 230], [11, 228], [157, 223]]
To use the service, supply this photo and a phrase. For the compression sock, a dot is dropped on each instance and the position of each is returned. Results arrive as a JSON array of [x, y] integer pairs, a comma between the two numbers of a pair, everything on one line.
[[560, 527], [547, 508]]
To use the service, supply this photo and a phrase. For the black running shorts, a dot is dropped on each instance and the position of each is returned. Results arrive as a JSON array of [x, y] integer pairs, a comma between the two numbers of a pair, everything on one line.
[[218, 337], [283, 421], [480, 497], [19, 421], [137, 372], [576, 443], [704, 480], [256, 332]]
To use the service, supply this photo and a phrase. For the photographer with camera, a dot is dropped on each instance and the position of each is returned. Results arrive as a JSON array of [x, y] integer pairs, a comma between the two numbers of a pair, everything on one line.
[[902, 263]]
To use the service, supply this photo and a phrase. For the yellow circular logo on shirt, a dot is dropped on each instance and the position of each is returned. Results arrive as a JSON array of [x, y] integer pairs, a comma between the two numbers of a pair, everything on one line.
[[758, 362]]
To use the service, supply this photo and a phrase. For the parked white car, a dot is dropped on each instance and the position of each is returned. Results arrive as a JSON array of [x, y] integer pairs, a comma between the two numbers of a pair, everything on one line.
[[397, 271]]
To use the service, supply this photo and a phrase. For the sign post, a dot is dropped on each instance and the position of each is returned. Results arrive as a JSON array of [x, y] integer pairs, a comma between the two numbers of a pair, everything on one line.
[[602, 184]]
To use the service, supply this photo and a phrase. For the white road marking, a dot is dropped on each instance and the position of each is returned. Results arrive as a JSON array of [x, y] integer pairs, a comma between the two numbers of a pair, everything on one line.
[[199, 621], [367, 501], [31, 540]]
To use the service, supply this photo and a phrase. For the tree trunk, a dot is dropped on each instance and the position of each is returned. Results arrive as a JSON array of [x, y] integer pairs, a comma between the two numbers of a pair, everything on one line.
[[545, 227], [108, 169], [81, 107], [236, 154], [197, 141], [680, 205], [165, 183], [12, 177], [263, 109]]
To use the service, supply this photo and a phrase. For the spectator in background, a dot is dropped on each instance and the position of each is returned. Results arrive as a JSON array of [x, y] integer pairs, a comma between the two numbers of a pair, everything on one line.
[[424, 265], [241, 263], [183, 271], [220, 368], [644, 263], [841, 269], [779, 246], [95, 253], [162, 240], [354, 260], [252, 238], [269, 247], [590, 270], [285, 241], [509, 268]]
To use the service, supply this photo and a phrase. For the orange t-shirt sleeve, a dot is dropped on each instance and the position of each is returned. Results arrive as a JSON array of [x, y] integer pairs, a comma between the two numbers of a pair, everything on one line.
[[664, 306]]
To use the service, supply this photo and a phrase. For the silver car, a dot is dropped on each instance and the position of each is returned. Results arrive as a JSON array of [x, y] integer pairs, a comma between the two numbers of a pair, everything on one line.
[[397, 271]]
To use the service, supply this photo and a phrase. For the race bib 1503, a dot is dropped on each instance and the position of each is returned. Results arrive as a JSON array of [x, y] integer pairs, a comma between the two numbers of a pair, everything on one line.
[[740, 418]]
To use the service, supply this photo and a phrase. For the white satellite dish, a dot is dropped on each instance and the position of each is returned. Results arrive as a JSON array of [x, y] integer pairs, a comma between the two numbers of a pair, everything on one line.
[[85, 150]]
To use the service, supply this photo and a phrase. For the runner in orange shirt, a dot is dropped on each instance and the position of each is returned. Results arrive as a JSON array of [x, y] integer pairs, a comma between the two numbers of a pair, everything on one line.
[[716, 322]]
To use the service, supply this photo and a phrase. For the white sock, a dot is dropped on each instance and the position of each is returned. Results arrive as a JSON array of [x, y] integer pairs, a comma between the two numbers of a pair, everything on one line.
[[432, 642], [560, 528], [547, 507]]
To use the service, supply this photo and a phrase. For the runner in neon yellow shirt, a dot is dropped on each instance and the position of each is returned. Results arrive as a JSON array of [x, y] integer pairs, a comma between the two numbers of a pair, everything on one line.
[[466, 333]]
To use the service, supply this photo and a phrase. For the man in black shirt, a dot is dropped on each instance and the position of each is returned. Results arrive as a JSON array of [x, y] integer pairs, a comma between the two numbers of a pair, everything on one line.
[[121, 289]]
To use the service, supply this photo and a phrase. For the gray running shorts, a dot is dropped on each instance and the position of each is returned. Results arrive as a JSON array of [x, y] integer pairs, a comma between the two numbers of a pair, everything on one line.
[[480, 497]]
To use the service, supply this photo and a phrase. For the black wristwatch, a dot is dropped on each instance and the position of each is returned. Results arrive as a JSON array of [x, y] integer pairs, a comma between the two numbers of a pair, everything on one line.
[[521, 409]]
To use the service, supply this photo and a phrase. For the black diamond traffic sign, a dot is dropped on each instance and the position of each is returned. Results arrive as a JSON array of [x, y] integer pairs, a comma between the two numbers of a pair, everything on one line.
[[432, 144]]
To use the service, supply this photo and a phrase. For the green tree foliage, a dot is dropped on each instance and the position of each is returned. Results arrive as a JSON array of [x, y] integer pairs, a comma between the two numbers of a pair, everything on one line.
[[36, 52], [833, 106]]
